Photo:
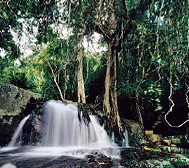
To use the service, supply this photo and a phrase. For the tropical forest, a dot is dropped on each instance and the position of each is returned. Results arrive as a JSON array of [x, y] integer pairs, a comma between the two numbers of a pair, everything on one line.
[[94, 83]]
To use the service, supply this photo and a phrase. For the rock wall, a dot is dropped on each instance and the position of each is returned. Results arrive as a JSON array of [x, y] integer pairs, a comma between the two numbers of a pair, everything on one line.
[[13, 101]]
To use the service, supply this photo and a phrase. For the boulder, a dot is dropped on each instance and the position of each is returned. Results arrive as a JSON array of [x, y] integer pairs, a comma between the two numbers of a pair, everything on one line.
[[177, 140], [135, 132], [13, 101], [96, 160], [149, 132], [154, 137]]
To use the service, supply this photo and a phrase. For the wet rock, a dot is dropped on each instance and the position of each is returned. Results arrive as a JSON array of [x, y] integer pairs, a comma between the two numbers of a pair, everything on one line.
[[96, 160], [135, 132], [13, 101], [18, 158]]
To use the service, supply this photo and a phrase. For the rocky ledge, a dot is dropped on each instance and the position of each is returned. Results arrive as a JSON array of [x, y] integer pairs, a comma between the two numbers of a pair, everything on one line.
[[13, 101]]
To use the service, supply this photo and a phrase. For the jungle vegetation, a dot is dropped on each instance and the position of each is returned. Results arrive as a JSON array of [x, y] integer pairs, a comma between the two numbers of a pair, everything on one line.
[[142, 73]]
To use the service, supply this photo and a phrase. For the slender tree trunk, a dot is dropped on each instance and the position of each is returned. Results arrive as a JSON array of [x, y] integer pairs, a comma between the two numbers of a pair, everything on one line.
[[114, 92], [110, 103], [80, 80], [65, 81], [108, 81], [55, 81]]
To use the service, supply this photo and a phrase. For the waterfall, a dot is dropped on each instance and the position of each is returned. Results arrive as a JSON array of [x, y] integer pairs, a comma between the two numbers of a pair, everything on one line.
[[61, 127], [125, 142], [61, 130], [18, 133], [113, 137]]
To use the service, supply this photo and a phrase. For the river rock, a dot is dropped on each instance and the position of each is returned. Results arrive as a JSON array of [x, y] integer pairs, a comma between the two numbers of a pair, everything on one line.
[[98, 160]]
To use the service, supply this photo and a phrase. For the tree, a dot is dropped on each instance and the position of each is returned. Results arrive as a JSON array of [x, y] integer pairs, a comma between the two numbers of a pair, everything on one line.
[[12, 13], [114, 21], [146, 59]]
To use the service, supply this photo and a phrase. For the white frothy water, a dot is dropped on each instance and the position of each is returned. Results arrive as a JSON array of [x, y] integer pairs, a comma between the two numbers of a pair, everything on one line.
[[18, 132], [62, 133], [113, 137], [126, 139], [8, 165], [62, 127]]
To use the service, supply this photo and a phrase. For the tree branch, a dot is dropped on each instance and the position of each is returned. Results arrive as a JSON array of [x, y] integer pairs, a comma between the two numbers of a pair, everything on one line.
[[55, 81]]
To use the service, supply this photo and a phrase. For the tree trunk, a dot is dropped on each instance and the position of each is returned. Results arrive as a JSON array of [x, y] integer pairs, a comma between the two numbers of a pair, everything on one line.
[[80, 80], [106, 103], [110, 104], [54, 76], [114, 92]]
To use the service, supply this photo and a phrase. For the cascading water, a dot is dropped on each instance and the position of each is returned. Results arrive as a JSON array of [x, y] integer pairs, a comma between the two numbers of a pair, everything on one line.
[[18, 133], [125, 142], [62, 130], [62, 127]]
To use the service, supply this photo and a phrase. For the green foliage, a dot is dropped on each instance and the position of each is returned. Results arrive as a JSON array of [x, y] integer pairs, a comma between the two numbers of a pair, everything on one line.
[[179, 163], [153, 55], [138, 157], [19, 76], [169, 166]]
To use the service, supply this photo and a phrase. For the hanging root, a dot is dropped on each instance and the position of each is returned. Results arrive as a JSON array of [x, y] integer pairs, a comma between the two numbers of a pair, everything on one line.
[[172, 105], [139, 116], [186, 94]]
